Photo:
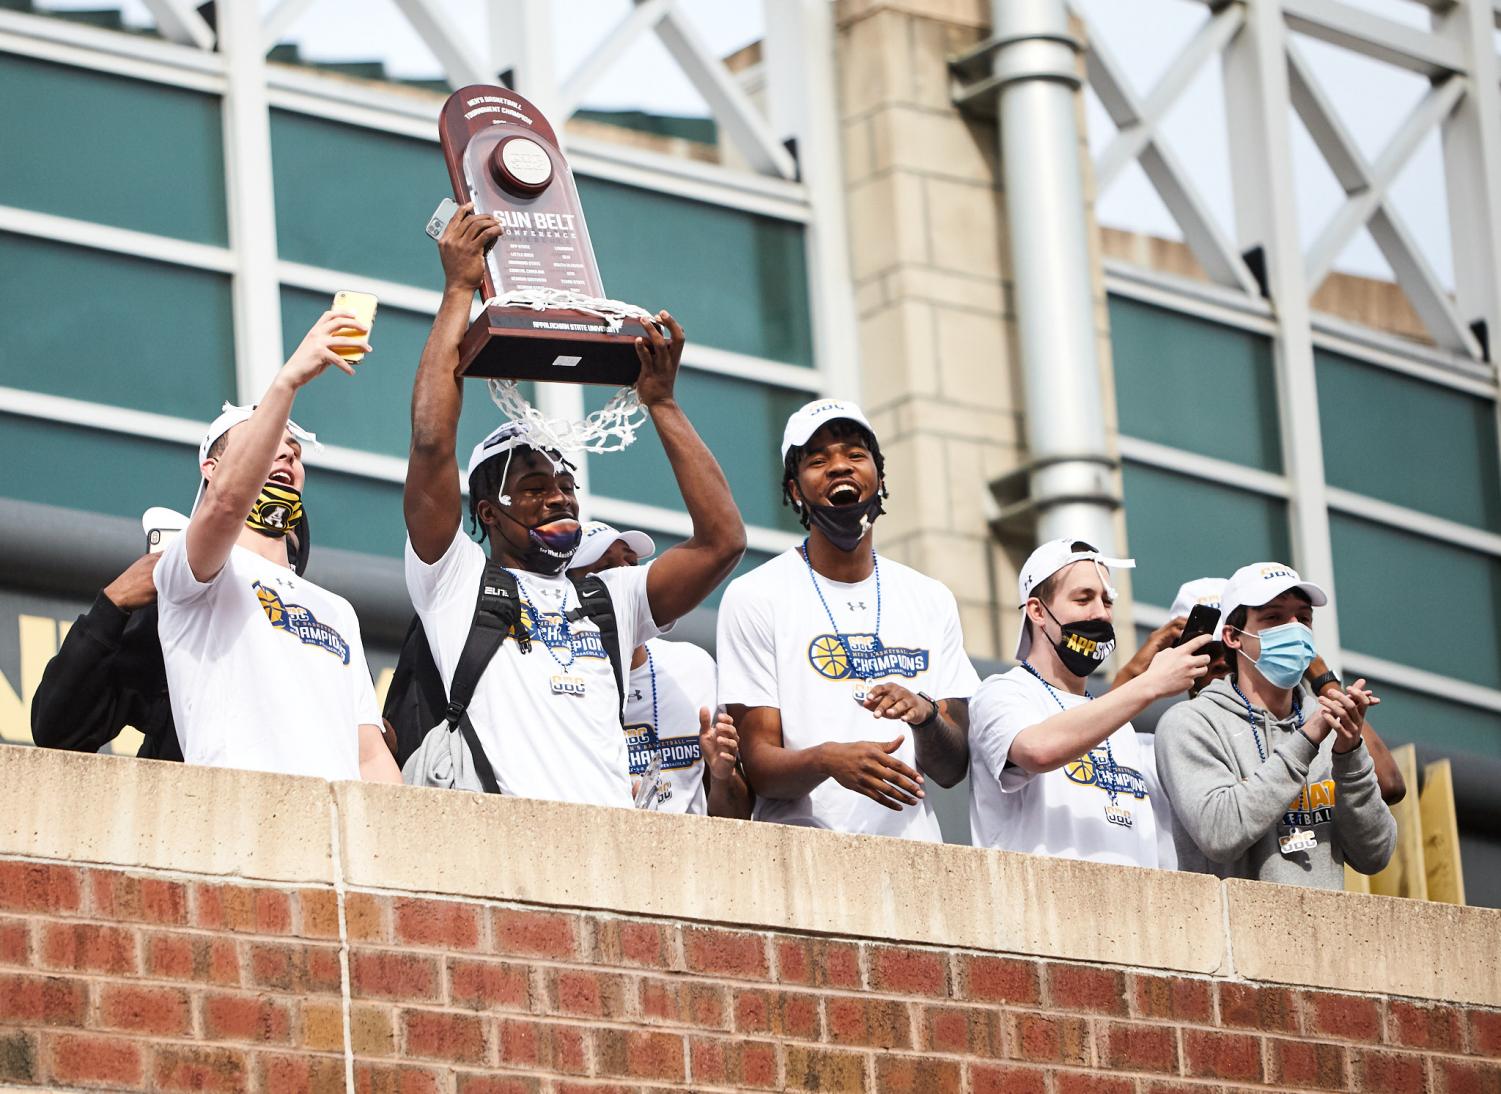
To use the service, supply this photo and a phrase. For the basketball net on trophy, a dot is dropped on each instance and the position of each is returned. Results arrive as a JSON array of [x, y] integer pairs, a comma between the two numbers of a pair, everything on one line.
[[546, 316]]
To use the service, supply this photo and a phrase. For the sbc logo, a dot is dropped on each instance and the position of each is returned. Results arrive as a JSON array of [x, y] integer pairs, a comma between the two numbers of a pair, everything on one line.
[[567, 685]]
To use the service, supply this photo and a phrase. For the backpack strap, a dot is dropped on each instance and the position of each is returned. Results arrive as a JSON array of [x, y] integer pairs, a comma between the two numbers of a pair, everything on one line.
[[497, 613], [595, 604]]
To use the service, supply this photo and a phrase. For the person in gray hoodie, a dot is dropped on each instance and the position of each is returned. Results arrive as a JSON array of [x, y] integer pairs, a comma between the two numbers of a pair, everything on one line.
[[1268, 781]]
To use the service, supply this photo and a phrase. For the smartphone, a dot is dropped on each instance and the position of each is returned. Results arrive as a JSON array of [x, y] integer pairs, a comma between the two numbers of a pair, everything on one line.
[[1202, 620], [158, 538], [441, 216], [161, 526], [362, 306]]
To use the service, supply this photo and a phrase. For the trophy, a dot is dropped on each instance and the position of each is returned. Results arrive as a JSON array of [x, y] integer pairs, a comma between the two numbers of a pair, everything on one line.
[[546, 316]]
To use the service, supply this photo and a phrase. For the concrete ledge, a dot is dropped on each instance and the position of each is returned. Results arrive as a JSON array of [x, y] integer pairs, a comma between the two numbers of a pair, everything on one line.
[[165, 816], [777, 877], [1364, 943]]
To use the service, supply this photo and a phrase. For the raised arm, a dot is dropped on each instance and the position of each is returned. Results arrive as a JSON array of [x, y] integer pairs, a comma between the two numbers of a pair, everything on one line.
[[431, 500], [242, 470], [680, 580], [1069, 734]]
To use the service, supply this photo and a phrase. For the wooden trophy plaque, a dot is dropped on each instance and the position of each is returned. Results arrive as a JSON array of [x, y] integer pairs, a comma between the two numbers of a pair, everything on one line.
[[503, 155]]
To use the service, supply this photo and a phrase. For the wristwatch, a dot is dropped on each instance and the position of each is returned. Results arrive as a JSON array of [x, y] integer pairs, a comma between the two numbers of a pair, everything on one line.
[[1319, 683], [932, 716]]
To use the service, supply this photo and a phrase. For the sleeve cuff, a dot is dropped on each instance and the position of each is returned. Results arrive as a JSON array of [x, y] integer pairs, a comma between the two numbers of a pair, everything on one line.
[[106, 620]]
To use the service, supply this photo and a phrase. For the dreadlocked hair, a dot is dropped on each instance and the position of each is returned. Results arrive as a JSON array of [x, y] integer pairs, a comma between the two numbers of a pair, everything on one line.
[[489, 481], [839, 430]]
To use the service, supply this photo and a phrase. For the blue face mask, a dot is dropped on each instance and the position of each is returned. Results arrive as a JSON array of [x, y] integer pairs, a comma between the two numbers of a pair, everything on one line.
[[1286, 653]]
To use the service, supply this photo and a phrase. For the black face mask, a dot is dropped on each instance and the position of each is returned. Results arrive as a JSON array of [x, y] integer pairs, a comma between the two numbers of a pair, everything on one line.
[[845, 525], [1083, 646], [549, 550]]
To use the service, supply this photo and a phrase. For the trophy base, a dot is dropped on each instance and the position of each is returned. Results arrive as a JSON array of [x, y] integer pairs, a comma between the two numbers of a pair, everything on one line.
[[566, 347]]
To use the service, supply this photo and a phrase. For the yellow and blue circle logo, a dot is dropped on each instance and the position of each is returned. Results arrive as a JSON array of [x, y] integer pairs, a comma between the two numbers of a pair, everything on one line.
[[829, 656]]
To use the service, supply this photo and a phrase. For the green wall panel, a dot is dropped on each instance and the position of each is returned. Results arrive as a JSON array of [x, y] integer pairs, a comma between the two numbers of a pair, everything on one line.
[[1415, 717], [372, 410], [356, 199], [742, 424], [112, 150], [1409, 442], [735, 280], [1194, 384], [121, 476], [1416, 601], [114, 329], [1181, 528]]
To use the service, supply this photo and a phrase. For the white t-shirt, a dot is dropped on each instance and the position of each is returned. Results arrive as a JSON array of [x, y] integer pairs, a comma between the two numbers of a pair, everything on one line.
[[1162, 809], [266, 670], [684, 682], [549, 719], [778, 648], [1070, 812]]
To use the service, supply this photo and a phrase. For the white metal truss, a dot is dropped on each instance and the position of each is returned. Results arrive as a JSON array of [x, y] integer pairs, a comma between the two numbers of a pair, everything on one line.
[[1457, 55], [1266, 78]]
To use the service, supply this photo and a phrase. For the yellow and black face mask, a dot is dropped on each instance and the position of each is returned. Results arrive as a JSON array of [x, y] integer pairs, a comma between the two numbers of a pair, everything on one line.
[[276, 511]]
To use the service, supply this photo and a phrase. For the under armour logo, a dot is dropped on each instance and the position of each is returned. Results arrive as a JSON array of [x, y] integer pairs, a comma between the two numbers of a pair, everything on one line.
[[636, 695], [854, 604]]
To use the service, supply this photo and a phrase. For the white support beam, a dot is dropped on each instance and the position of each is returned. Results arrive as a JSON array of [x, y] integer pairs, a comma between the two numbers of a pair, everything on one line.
[[1472, 169], [280, 19], [732, 109], [450, 43], [641, 18], [1139, 140], [1370, 191], [521, 39], [1373, 36], [1256, 94], [797, 58], [179, 21], [250, 204]]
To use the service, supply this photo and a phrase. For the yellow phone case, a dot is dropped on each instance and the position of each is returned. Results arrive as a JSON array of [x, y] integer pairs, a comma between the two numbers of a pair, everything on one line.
[[362, 306]]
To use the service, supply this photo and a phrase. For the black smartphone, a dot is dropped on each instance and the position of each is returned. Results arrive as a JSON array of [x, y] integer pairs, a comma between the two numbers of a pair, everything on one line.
[[1202, 620]]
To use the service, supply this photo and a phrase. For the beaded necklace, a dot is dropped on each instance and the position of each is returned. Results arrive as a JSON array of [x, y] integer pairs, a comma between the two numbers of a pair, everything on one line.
[[1251, 716], [530, 601], [1111, 769], [813, 577]]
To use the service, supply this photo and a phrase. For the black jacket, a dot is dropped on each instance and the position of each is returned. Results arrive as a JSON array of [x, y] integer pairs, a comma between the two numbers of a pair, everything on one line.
[[107, 674]]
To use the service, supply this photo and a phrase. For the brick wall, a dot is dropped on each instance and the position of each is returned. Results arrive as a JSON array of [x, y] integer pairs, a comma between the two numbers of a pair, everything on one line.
[[149, 981], [173, 928]]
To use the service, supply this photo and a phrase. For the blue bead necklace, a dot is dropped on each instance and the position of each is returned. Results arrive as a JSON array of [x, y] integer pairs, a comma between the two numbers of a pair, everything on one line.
[[1251, 716], [530, 601], [1109, 752], [813, 577]]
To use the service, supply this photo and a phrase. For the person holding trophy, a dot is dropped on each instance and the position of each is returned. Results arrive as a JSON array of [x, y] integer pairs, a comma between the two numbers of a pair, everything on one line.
[[545, 709]]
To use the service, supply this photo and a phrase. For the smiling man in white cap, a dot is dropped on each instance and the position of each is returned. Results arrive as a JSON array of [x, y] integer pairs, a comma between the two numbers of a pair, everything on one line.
[[265, 669], [1267, 781], [670, 702], [1053, 770], [817, 646], [546, 708]]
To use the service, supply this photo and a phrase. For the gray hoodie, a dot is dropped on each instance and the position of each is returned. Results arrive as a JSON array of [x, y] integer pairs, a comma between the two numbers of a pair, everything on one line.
[[1231, 806]]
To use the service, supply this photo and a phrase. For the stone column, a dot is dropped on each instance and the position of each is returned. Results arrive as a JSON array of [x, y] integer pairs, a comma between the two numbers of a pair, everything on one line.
[[933, 285]]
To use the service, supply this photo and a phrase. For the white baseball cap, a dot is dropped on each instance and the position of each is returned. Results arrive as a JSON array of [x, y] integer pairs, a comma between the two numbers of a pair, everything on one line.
[[230, 416], [598, 538], [1046, 561], [811, 417], [1201, 590], [1260, 583]]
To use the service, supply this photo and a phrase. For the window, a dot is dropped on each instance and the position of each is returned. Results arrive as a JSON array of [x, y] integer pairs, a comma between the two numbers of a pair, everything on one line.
[[1193, 384], [114, 329], [128, 153]]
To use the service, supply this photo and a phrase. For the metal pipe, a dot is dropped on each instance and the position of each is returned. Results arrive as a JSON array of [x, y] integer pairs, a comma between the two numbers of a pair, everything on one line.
[[1036, 64]]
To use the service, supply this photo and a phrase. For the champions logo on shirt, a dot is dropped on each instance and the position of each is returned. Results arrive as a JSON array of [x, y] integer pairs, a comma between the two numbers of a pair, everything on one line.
[[1096, 769], [1313, 806], [863, 657], [548, 629], [300, 623], [677, 752]]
